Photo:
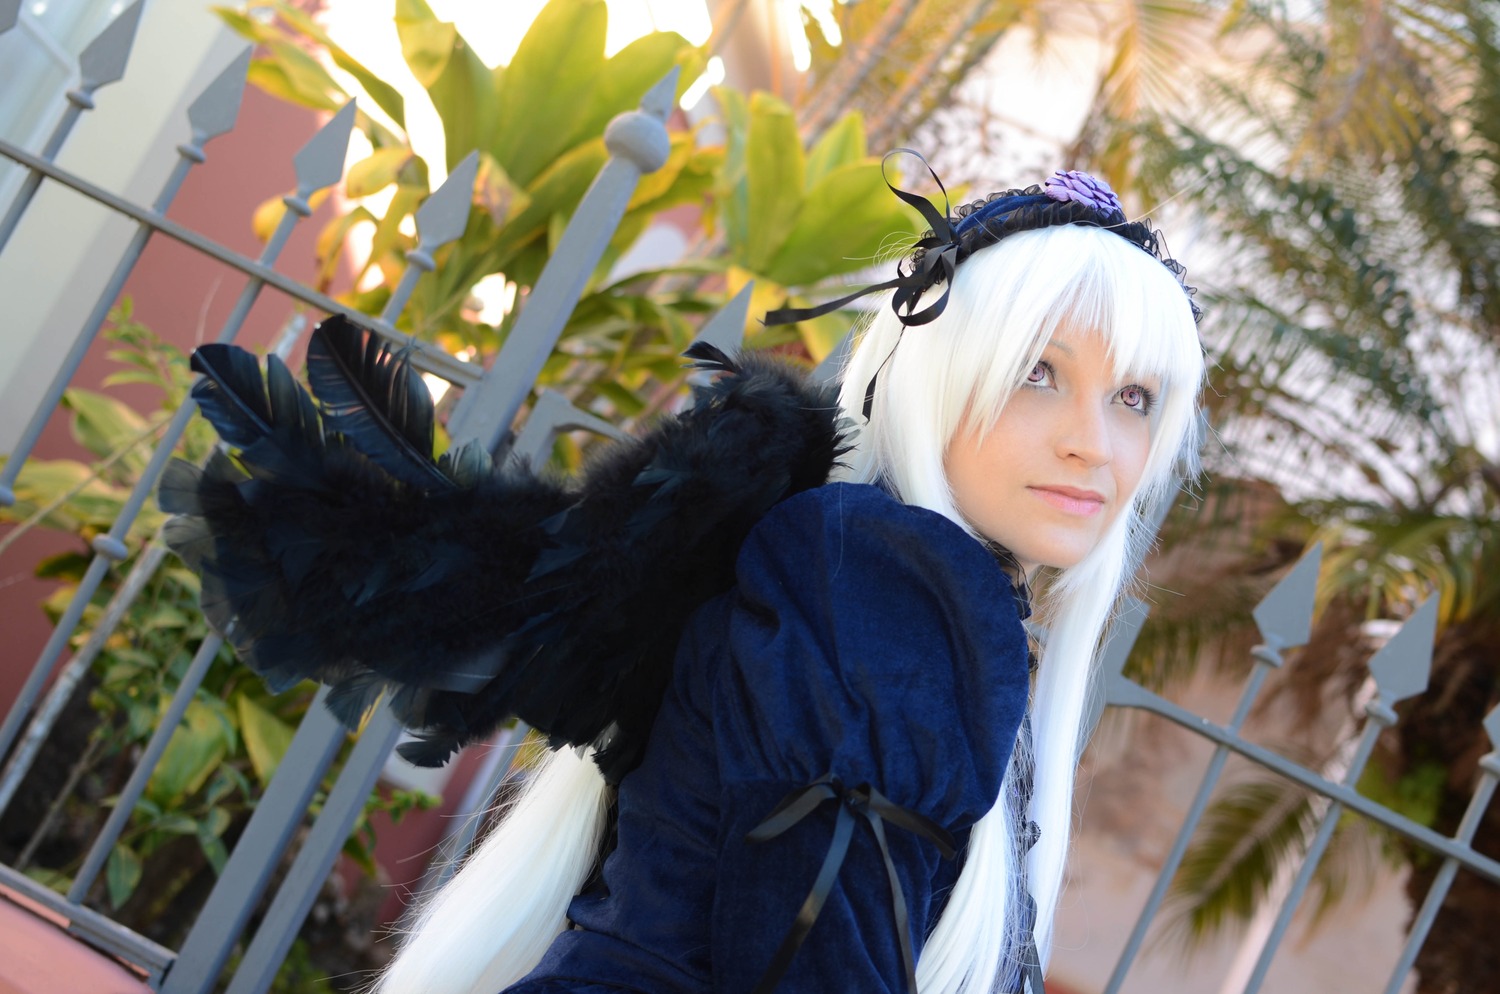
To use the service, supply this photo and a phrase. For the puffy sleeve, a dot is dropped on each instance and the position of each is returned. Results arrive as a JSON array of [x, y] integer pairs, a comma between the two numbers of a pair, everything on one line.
[[875, 651]]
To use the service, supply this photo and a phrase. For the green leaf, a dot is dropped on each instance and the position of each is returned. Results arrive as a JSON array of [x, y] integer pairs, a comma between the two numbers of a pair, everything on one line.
[[273, 78], [841, 145], [497, 193], [845, 225], [550, 86], [773, 174], [821, 335], [105, 426], [632, 71], [731, 190], [386, 96], [461, 86], [90, 502], [177, 824], [213, 848], [266, 737], [376, 172], [305, 73], [196, 749], [122, 872], [555, 193]]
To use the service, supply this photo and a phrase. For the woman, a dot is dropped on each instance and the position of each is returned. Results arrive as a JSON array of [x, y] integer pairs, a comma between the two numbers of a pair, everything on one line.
[[872, 638], [857, 781]]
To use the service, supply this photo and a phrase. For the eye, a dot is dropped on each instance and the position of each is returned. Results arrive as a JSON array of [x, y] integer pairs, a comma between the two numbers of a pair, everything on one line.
[[1138, 398], [1040, 375]]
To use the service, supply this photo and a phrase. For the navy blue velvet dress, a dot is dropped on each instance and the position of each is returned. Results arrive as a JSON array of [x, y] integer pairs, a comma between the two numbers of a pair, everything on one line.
[[866, 641]]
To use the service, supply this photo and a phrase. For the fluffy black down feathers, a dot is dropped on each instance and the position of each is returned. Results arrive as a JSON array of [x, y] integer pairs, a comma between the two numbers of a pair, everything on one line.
[[333, 547]]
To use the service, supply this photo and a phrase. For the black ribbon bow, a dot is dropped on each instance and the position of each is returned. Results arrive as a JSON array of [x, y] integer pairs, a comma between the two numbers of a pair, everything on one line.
[[863, 801], [935, 255]]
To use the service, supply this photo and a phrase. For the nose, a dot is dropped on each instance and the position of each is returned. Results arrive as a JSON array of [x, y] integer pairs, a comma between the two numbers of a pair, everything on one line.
[[1084, 434]]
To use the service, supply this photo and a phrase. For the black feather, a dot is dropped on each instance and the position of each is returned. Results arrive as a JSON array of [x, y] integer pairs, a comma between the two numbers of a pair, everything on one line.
[[375, 400], [232, 395], [492, 593]]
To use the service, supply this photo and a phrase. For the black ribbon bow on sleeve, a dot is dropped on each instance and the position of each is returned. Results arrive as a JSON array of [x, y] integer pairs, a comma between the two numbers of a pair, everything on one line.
[[865, 802]]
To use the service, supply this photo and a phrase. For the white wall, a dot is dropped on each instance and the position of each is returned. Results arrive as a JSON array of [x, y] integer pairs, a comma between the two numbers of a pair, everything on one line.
[[66, 246]]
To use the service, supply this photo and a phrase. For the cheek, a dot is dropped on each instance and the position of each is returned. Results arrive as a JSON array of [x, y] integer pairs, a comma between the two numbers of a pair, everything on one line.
[[1132, 446]]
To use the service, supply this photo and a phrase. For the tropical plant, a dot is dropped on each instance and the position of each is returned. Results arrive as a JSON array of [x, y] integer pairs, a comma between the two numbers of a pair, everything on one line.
[[1350, 176], [538, 125]]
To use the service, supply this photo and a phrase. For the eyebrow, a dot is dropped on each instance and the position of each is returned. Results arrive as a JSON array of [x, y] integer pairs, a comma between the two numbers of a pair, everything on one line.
[[1064, 349]]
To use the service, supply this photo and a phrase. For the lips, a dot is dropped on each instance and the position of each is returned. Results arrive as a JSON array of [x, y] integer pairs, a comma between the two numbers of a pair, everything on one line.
[[1071, 500]]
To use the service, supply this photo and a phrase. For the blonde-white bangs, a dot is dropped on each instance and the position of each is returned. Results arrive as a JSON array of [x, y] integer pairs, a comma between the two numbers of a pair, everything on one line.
[[1008, 301]]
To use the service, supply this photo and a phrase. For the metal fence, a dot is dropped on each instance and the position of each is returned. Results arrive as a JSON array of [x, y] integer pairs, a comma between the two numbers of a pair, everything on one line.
[[490, 402]]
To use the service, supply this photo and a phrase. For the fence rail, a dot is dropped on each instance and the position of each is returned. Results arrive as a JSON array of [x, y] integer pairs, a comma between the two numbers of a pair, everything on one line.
[[637, 142]]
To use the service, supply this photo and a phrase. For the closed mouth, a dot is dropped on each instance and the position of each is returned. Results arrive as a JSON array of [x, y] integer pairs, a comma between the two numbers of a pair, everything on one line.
[[1071, 499]]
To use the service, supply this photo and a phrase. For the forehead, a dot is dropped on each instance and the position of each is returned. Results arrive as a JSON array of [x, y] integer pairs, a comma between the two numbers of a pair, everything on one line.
[[1085, 344]]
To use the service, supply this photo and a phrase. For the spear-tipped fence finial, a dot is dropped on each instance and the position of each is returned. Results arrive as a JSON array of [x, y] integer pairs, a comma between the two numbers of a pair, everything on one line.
[[1401, 666], [1284, 616], [320, 162], [441, 218], [726, 329], [103, 61], [216, 109]]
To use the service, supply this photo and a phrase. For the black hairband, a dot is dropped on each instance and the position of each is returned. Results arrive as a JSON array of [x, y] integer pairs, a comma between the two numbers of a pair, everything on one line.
[[1069, 197]]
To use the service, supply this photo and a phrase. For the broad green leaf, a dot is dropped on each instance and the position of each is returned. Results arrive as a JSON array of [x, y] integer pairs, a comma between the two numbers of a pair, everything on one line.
[[633, 70], [773, 174], [550, 86], [330, 243], [840, 145], [556, 192], [177, 824], [87, 501], [122, 873], [388, 235], [305, 73], [497, 193], [846, 224], [460, 85], [196, 749], [272, 78], [376, 172], [213, 847], [821, 335], [266, 737], [386, 96], [105, 427], [731, 190]]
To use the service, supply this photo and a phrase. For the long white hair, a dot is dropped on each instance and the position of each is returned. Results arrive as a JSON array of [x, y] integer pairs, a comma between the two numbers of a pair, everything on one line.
[[491, 924]]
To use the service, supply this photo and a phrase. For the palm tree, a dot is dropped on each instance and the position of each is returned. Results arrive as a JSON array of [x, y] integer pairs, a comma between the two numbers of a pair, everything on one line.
[[1351, 178]]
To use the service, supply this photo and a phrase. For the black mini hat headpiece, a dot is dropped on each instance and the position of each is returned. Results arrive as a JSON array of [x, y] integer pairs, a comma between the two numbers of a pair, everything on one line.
[[1068, 197]]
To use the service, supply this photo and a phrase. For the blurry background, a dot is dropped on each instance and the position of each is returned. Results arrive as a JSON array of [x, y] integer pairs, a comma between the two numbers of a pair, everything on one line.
[[1326, 169]]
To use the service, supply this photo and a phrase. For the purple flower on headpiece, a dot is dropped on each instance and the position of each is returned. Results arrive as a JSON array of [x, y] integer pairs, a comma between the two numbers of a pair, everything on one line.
[[1084, 189]]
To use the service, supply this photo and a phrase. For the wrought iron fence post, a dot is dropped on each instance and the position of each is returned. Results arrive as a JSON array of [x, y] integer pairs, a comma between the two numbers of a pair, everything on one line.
[[101, 63], [319, 164], [211, 115], [1489, 767], [638, 144], [1284, 618], [1400, 669]]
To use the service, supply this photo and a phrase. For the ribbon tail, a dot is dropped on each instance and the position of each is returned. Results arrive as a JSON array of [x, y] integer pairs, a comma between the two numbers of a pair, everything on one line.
[[812, 906]]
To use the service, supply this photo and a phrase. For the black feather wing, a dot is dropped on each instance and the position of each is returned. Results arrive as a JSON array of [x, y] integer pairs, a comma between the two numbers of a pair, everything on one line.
[[334, 548], [654, 534]]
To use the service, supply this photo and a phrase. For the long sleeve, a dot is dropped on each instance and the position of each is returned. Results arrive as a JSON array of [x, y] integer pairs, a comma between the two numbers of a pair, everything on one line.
[[876, 647]]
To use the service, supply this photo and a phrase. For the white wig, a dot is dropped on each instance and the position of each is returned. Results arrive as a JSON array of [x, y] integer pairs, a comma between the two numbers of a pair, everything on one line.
[[937, 379]]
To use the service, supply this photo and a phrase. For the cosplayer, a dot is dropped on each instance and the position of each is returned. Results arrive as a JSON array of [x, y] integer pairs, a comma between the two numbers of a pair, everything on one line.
[[822, 752]]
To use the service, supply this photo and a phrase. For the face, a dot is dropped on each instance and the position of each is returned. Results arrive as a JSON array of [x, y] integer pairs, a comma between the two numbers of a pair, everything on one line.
[[1055, 470]]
